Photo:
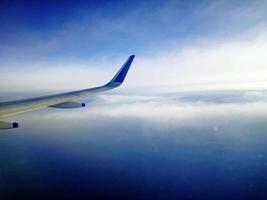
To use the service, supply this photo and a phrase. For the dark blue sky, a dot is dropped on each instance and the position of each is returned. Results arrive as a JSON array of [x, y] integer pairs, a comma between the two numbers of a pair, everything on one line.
[[96, 28]]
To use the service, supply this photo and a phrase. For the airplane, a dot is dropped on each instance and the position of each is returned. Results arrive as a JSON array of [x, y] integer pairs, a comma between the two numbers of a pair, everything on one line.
[[62, 100]]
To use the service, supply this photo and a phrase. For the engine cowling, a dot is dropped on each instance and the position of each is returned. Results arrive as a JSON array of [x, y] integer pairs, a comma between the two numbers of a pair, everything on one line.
[[68, 105], [8, 125]]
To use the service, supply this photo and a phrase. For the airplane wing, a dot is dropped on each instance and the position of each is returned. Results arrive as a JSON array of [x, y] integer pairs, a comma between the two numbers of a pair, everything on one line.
[[63, 100]]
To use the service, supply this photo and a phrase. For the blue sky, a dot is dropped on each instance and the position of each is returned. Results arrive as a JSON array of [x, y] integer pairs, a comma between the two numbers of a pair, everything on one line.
[[86, 28], [97, 36]]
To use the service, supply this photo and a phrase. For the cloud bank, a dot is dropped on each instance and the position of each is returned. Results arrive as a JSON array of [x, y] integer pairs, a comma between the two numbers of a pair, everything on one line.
[[240, 64], [157, 114]]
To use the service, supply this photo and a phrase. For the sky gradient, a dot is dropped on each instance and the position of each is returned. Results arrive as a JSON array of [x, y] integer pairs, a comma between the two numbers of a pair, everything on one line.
[[60, 45]]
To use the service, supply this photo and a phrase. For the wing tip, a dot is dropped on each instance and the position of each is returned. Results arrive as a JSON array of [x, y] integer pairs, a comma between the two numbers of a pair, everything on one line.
[[121, 74]]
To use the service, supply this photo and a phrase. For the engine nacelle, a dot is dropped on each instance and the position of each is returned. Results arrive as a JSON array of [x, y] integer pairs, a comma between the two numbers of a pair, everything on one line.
[[8, 125], [68, 104]]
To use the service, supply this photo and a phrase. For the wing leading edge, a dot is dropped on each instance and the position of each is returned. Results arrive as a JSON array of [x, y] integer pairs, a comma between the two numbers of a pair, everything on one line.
[[24, 105]]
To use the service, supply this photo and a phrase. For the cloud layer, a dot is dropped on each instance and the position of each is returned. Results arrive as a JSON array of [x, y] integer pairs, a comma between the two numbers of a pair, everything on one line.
[[172, 111], [236, 64]]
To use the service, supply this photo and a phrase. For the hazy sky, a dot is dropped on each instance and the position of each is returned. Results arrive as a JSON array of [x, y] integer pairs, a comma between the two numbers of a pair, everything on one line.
[[60, 45]]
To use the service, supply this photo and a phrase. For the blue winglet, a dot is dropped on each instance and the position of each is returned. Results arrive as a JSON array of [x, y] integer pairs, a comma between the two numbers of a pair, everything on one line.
[[121, 74]]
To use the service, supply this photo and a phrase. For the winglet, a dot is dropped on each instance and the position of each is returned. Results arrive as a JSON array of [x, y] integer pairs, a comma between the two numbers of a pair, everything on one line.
[[121, 74]]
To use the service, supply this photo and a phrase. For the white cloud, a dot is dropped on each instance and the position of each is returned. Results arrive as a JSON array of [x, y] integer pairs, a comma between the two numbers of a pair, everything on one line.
[[157, 114], [223, 65], [170, 109]]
